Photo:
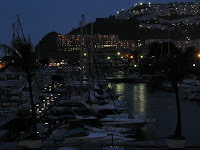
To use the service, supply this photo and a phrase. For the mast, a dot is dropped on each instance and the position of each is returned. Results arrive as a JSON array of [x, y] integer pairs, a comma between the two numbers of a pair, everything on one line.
[[81, 53], [91, 54], [38, 50], [19, 23], [13, 31]]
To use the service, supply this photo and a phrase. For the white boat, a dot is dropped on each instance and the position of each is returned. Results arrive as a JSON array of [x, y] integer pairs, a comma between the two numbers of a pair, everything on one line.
[[194, 96], [67, 148], [113, 148]]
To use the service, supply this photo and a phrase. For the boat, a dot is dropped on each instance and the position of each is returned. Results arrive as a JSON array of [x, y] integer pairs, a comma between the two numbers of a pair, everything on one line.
[[113, 148]]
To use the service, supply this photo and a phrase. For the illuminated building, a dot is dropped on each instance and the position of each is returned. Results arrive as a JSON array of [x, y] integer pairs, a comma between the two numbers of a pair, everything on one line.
[[69, 42]]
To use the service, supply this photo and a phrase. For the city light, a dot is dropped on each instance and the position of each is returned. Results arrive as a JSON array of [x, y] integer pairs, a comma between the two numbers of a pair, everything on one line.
[[108, 58], [198, 55], [141, 56], [118, 53]]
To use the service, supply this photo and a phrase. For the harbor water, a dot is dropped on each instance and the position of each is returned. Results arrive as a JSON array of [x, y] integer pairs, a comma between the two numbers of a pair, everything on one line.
[[162, 106]]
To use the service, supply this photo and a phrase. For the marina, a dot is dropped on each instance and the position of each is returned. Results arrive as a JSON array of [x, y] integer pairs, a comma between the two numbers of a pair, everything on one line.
[[128, 81]]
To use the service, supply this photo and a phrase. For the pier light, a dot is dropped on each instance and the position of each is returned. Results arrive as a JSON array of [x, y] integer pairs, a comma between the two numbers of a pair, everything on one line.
[[131, 56]]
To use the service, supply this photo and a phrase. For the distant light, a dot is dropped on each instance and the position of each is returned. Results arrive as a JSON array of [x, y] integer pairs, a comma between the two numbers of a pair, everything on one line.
[[135, 66], [85, 54], [108, 58], [141, 56], [118, 53], [122, 9], [117, 12], [199, 55], [131, 56], [122, 57], [141, 3], [194, 65]]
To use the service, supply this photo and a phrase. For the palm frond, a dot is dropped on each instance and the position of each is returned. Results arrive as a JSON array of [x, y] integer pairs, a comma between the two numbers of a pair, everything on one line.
[[10, 50]]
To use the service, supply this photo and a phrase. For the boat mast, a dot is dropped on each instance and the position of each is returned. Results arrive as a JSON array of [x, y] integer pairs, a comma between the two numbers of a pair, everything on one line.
[[19, 23], [38, 50], [13, 31], [91, 55], [81, 52]]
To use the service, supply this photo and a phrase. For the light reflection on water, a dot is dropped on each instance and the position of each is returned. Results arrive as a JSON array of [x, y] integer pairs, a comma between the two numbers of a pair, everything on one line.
[[120, 88], [162, 106]]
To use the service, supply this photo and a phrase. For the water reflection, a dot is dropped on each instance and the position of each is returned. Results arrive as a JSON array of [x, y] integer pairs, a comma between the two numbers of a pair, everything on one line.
[[120, 88], [139, 98], [162, 106]]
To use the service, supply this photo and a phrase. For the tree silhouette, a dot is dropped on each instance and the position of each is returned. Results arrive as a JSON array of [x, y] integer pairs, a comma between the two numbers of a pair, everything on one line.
[[21, 58], [176, 66]]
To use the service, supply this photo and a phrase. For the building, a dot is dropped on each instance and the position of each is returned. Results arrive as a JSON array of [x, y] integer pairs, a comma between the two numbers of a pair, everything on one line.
[[183, 44], [190, 43], [126, 44], [69, 42]]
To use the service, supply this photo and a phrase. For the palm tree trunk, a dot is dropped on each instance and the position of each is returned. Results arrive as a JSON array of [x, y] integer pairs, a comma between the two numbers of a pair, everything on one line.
[[34, 123], [177, 132]]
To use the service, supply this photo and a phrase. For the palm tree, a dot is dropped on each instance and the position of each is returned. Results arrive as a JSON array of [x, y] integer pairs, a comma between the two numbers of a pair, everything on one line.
[[177, 67], [21, 58]]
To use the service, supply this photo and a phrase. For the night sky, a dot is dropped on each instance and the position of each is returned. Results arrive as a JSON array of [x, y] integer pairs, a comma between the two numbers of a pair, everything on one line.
[[39, 17]]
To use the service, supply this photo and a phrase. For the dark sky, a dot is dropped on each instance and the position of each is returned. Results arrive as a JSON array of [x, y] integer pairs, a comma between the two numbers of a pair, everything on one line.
[[38, 17]]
